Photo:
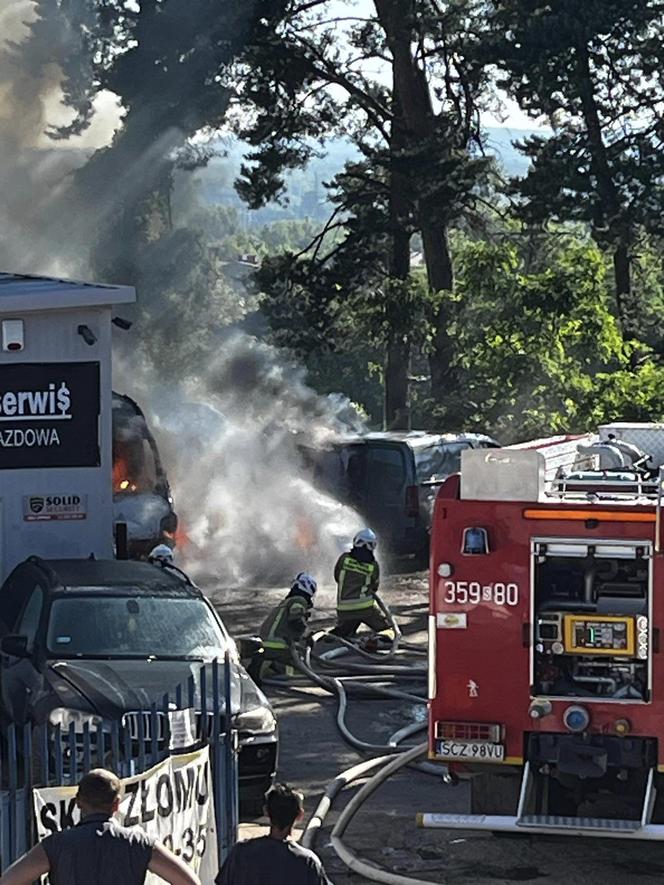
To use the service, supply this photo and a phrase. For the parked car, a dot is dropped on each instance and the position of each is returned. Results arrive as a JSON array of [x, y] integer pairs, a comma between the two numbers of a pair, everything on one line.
[[391, 479], [85, 639], [141, 494]]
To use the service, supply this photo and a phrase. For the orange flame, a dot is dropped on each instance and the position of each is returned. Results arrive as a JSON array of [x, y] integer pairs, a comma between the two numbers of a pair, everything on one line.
[[305, 535], [122, 482]]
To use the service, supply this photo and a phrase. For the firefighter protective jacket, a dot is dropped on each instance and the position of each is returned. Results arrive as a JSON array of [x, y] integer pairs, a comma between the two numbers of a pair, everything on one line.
[[286, 623], [357, 581]]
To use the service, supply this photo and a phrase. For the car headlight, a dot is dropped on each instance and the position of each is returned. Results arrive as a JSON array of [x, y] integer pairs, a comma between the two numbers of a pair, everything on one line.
[[64, 717], [257, 719]]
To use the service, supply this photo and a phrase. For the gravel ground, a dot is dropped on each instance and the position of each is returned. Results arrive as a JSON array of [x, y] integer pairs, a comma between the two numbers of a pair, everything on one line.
[[384, 831]]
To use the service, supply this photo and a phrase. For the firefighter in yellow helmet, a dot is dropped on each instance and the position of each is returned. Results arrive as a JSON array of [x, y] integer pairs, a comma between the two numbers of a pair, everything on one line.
[[284, 626], [357, 575]]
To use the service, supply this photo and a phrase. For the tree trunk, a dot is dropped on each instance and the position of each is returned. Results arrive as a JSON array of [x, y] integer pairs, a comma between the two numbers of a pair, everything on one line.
[[622, 272], [396, 415], [606, 188], [440, 274], [412, 89], [397, 365], [396, 411]]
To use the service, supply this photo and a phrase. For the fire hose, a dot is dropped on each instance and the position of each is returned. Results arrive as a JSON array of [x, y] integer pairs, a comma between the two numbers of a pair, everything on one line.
[[355, 863], [340, 679]]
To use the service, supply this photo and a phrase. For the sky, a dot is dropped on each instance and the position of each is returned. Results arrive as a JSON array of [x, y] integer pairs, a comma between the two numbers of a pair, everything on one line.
[[108, 112]]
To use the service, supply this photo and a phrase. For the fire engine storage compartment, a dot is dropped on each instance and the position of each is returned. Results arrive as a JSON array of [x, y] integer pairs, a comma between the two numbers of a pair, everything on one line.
[[55, 418], [592, 604]]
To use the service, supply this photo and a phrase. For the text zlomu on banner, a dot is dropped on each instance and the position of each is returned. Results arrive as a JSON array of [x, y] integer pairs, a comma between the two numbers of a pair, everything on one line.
[[173, 802]]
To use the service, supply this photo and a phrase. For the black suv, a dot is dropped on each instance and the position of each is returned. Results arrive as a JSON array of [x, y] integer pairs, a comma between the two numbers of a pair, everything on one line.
[[84, 640]]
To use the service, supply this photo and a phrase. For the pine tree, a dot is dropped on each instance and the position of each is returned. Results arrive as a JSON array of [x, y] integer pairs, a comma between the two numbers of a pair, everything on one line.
[[594, 69]]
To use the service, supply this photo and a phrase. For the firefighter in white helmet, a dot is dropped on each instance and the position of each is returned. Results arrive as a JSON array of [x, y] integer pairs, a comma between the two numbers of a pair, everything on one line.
[[357, 575], [285, 626], [162, 553]]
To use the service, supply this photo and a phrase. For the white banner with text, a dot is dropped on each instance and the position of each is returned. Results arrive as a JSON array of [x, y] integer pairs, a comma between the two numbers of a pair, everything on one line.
[[173, 802]]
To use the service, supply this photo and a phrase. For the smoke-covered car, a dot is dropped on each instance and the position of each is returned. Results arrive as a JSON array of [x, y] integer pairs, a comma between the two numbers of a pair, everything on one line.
[[392, 479], [86, 639], [141, 494]]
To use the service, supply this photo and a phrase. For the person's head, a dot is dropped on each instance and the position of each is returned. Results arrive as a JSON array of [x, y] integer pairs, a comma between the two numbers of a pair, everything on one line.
[[284, 805], [162, 554], [305, 585], [365, 540], [99, 792]]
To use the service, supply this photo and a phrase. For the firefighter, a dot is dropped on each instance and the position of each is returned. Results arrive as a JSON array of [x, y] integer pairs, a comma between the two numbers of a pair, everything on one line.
[[161, 554], [357, 576], [284, 626]]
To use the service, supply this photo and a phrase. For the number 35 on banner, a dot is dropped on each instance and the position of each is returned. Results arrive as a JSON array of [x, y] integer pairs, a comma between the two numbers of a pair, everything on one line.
[[476, 593]]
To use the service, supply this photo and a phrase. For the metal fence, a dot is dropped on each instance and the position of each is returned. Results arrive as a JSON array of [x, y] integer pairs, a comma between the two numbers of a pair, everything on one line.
[[50, 755]]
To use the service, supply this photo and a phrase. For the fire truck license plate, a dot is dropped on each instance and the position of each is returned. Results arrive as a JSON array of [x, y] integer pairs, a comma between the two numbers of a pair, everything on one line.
[[481, 751]]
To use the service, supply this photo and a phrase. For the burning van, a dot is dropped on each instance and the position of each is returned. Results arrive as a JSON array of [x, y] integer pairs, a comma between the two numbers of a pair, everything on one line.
[[141, 494]]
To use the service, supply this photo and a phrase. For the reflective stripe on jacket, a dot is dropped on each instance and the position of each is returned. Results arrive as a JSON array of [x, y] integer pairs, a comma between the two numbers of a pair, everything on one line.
[[356, 583], [286, 623]]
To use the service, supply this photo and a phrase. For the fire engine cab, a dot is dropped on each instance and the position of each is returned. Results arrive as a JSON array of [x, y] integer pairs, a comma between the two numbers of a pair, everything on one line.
[[546, 668]]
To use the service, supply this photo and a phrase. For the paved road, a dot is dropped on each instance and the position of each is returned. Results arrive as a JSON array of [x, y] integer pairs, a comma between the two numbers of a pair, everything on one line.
[[384, 831]]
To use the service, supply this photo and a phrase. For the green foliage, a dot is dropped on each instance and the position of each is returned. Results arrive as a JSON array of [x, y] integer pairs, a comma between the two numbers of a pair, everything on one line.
[[594, 69], [541, 352]]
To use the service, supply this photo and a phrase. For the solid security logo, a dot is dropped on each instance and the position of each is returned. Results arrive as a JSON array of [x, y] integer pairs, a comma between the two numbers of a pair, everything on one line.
[[40, 508], [36, 505]]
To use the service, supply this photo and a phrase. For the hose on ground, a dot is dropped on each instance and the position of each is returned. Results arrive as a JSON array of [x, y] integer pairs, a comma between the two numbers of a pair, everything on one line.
[[349, 857], [334, 788], [342, 679]]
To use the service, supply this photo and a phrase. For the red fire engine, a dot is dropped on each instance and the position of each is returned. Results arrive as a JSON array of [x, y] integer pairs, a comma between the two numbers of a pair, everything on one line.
[[547, 602]]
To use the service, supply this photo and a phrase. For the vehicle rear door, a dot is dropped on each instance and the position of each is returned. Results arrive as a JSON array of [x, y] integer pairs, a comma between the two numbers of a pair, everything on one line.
[[387, 478], [348, 475]]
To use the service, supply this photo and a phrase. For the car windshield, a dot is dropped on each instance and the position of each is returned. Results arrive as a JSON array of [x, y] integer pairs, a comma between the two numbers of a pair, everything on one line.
[[133, 627]]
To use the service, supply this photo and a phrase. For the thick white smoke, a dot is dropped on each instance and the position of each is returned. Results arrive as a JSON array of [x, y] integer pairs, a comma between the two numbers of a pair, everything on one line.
[[44, 228], [248, 511], [229, 438]]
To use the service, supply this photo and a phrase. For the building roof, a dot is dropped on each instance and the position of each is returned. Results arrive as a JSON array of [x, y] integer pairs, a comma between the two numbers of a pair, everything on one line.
[[26, 293]]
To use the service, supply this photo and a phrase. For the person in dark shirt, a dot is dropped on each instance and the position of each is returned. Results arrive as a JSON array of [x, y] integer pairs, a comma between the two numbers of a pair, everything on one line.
[[275, 859], [98, 851]]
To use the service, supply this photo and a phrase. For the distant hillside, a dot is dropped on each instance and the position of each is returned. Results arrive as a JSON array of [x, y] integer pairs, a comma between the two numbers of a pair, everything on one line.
[[500, 142], [306, 194]]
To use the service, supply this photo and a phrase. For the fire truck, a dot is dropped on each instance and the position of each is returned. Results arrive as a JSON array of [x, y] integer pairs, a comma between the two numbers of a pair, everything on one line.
[[546, 665]]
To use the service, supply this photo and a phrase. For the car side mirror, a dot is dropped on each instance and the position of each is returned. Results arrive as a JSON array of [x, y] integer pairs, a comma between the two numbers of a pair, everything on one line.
[[248, 646], [16, 646]]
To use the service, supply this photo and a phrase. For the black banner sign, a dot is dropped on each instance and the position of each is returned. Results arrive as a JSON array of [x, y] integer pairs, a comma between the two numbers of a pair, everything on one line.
[[49, 415]]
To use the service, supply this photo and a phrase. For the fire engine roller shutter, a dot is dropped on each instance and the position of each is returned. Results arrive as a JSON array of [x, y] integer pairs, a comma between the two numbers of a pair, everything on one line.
[[599, 550], [49, 415]]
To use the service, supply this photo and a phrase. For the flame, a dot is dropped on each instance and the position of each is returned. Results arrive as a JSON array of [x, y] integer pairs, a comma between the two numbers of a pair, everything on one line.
[[121, 480], [305, 535], [180, 538]]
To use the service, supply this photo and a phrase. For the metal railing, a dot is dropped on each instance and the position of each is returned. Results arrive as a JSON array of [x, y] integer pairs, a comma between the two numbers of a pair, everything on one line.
[[604, 486], [35, 756]]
